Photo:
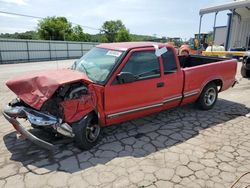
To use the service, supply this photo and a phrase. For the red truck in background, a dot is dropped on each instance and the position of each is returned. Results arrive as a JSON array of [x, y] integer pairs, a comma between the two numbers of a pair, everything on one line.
[[113, 83]]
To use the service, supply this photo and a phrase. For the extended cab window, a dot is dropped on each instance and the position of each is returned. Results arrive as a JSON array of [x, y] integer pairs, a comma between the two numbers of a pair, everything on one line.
[[169, 61], [143, 65]]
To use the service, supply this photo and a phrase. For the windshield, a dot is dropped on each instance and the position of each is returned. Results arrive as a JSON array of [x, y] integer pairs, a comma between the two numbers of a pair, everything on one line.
[[97, 63]]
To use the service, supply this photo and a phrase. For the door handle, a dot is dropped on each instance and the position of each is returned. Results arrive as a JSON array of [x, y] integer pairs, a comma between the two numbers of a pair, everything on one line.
[[160, 84]]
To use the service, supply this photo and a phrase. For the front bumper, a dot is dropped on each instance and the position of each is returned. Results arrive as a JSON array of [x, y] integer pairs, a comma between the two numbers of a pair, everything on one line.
[[37, 119]]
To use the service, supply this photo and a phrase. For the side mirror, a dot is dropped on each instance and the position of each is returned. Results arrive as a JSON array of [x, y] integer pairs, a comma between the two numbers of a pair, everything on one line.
[[125, 77]]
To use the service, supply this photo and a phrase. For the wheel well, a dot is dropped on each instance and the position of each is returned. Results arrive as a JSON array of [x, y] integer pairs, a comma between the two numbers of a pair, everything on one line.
[[218, 83], [95, 115]]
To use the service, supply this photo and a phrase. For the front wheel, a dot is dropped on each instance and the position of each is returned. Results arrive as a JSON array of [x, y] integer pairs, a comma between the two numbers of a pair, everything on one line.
[[208, 97], [87, 132]]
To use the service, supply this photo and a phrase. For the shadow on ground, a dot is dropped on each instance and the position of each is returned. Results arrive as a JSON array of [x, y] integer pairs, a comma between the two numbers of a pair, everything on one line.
[[137, 138]]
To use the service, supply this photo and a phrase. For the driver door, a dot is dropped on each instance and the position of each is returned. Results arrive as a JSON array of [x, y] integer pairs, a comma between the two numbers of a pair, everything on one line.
[[124, 101]]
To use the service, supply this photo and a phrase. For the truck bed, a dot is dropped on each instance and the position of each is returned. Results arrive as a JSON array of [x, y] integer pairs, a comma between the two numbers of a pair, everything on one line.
[[196, 60], [200, 70]]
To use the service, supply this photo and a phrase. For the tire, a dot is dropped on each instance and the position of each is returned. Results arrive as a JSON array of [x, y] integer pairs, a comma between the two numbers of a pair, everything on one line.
[[87, 132], [248, 73], [208, 97], [243, 71]]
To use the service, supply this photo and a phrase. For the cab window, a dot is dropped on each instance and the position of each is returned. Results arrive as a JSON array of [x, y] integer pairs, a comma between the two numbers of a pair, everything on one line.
[[143, 65], [169, 61]]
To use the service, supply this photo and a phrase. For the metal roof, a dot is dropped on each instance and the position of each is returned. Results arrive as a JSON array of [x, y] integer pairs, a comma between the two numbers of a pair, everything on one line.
[[226, 6]]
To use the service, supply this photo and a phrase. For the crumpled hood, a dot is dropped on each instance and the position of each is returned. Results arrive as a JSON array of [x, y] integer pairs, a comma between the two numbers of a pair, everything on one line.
[[34, 89]]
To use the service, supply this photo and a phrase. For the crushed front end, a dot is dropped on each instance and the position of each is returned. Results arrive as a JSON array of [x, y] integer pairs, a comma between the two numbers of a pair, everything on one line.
[[69, 103], [13, 111]]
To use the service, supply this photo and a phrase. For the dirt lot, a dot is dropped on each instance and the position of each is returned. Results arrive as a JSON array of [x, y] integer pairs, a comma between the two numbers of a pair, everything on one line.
[[181, 147]]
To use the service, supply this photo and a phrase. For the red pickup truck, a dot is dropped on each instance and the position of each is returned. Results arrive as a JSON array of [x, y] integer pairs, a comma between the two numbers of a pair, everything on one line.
[[113, 83]]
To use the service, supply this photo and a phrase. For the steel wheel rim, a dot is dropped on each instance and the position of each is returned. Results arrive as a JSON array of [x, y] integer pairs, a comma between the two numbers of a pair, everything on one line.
[[210, 96], [92, 132]]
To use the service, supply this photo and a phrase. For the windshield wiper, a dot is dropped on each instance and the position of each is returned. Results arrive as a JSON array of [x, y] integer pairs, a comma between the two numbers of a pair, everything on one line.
[[84, 69], [73, 67]]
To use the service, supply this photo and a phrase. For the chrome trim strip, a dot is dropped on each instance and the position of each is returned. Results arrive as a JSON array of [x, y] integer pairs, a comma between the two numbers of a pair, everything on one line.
[[189, 94], [109, 116], [170, 99]]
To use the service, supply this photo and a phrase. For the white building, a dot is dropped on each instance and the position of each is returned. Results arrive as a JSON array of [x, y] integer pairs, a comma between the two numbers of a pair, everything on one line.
[[237, 32]]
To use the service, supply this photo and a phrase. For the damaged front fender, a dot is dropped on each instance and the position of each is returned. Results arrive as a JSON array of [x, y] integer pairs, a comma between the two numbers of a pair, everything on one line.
[[75, 109]]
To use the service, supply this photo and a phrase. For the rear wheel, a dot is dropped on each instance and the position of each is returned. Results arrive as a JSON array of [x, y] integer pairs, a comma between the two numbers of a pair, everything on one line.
[[244, 72], [208, 97], [248, 73], [87, 132]]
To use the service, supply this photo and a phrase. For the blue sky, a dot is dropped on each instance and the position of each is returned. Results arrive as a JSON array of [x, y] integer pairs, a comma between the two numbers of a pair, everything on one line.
[[170, 18]]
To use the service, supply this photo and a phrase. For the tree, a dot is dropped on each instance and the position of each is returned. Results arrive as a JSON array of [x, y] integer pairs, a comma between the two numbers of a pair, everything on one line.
[[112, 28], [78, 34], [123, 36], [28, 35], [135, 37], [24, 35], [54, 28]]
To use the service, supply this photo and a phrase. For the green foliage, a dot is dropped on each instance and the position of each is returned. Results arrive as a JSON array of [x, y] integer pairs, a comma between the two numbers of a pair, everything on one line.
[[86, 37], [59, 28], [111, 30], [28, 35], [123, 36], [25, 35], [96, 37], [135, 37], [103, 39], [78, 34], [54, 28]]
